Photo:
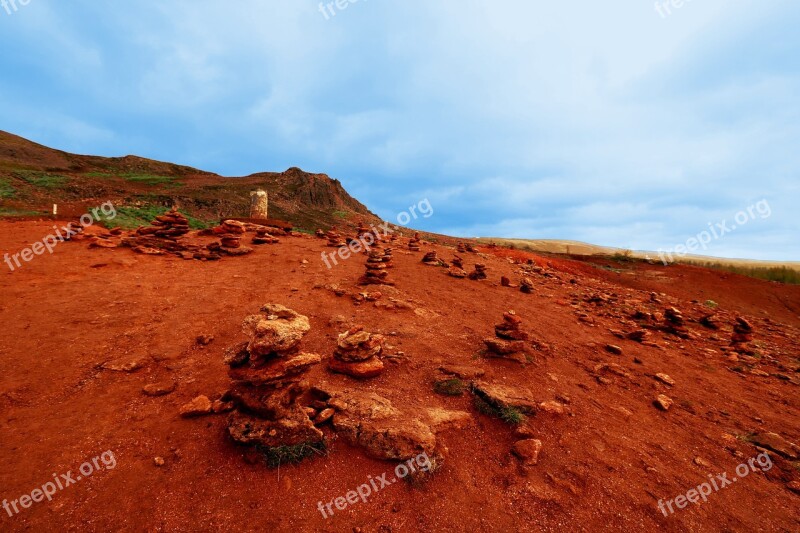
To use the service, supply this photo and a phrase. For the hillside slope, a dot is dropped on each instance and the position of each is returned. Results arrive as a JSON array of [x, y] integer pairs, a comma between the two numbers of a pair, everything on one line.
[[33, 177]]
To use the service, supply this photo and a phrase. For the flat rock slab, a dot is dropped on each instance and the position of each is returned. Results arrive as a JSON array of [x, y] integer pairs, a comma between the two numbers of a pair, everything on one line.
[[504, 396], [372, 422], [125, 365], [159, 389], [779, 445], [293, 429]]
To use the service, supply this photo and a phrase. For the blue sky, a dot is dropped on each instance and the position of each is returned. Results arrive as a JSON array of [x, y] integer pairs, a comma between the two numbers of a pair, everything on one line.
[[603, 122]]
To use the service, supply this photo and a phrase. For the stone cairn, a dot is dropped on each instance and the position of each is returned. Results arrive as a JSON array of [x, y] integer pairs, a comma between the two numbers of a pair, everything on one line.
[[362, 231], [357, 354], [263, 236], [170, 226], [742, 335], [457, 269], [510, 339], [266, 374], [413, 243], [674, 323], [431, 258], [163, 236], [388, 259], [376, 273], [230, 234], [320, 233], [335, 239], [526, 285], [479, 273], [465, 247]]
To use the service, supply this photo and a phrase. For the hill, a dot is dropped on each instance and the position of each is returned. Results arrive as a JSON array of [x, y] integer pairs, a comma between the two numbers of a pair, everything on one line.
[[33, 177]]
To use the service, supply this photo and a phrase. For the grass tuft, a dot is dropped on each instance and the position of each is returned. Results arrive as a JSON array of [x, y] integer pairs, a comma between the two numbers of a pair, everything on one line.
[[449, 387], [510, 415], [281, 455]]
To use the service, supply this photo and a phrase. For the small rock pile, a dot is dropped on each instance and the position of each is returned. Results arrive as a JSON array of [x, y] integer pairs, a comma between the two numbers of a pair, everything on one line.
[[170, 225], [163, 237], [263, 236], [675, 323], [742, 335], [461, 248], [431, 258], [388, 258], [362, 232], [413, 243], [320, 233], [266, 374], [458, 261], [357, 354], [479, 273], [376, 273], [335, 239], [510, 339], [526, 285]]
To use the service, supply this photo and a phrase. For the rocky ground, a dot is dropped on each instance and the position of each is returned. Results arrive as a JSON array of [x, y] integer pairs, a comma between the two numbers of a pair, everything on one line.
[[607, 389]]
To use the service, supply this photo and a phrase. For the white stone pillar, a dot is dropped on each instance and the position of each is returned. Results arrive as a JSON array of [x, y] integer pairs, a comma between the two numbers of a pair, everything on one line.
[[259, 204]]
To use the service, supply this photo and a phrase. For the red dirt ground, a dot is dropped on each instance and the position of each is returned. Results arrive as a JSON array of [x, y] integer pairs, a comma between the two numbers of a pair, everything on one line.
[[605, 466]]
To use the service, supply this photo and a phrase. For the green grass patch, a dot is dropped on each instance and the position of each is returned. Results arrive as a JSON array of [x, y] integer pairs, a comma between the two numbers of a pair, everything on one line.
[[712, 304], [510, 415], [341, 214], [42, 179], [147, 179], [449, 387], [6, 189], [8, 212], [281, 455], [129, 217]]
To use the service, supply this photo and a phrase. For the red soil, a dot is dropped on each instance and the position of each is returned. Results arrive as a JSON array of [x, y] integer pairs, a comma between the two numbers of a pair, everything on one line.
[[604, 467]]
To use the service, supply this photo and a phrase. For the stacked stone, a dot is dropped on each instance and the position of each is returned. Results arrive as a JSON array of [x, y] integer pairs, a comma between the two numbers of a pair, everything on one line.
[[675, 323], [387, 258], [264, 237], [431, 259], [170, 226], [470, 248], [526, 285], [320, 233], [266, 374], [479, 273], [413, 243], [461, 248], [510, 339], [357, 354], [376, 270], [335, 239], [742, 334], [457, 272], [362, 231], [458, 261]]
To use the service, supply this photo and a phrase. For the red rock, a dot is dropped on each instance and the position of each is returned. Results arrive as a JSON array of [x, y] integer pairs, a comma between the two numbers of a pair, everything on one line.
[[198, 407], [663, 402], [528, 451], [362, 370]]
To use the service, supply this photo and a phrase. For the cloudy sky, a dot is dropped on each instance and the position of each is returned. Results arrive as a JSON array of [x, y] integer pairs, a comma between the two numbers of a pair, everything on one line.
[[606, 122]]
